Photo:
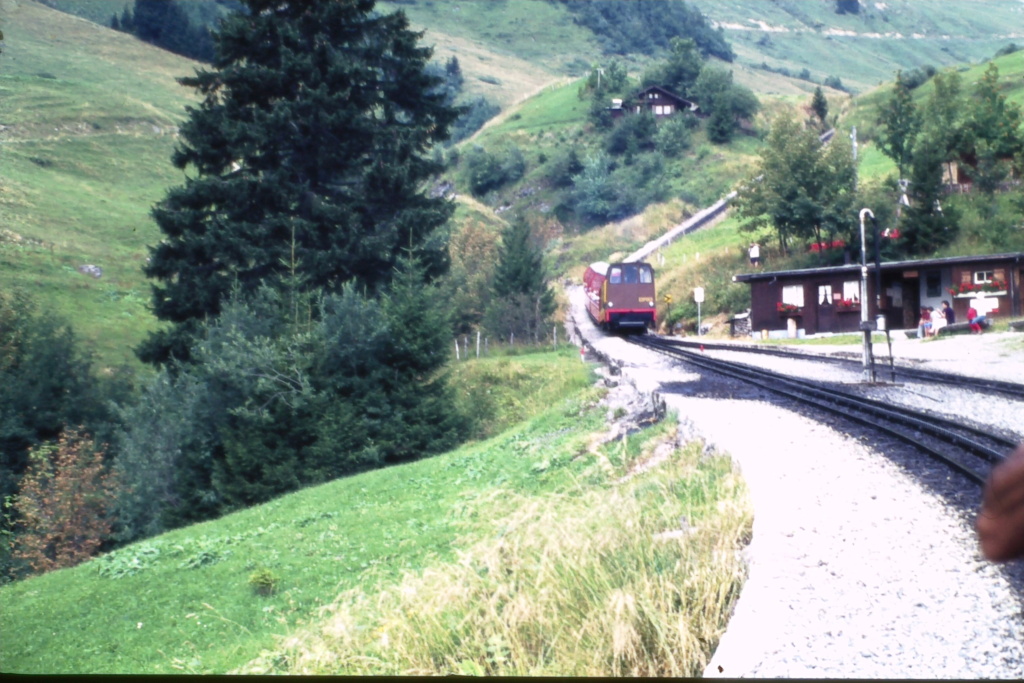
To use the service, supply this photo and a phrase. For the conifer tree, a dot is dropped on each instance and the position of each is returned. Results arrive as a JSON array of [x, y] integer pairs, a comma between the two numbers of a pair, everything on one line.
[[819, 105], [306, 158], [521, 301]]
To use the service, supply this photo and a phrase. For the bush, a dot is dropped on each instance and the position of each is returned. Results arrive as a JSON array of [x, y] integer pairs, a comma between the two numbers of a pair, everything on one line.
[[63, 504], [485, 171], [561, 169], [631, 134], [835, 83], [915, 78], [478, 112], [264, 582], [1008, 49]]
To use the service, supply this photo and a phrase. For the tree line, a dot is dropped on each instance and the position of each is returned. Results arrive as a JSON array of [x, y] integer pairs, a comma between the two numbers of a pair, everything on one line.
[[304, 284], [647, 27], [183, 28], [805, 192]]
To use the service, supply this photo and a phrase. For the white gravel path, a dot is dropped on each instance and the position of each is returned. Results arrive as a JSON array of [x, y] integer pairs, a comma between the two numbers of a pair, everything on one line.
[[855, 569]]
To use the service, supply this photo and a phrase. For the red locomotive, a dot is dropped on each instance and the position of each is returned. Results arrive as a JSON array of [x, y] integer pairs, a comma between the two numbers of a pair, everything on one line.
[[620, 296]]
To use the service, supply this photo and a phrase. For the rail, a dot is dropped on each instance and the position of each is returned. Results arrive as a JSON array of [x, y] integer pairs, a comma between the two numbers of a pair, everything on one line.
[[951, 446]]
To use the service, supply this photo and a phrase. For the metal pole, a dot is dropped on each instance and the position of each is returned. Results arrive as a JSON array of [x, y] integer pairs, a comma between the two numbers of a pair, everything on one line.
[[869, 368]]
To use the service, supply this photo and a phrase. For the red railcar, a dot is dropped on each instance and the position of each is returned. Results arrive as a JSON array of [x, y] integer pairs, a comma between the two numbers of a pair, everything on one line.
[[620, 296]]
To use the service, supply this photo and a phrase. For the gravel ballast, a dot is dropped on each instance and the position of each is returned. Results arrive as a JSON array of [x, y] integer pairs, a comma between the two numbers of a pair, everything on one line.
[[857, 568]]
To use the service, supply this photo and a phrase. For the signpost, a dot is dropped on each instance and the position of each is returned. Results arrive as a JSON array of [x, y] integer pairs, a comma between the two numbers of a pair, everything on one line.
[[698, 296], [865, 326]]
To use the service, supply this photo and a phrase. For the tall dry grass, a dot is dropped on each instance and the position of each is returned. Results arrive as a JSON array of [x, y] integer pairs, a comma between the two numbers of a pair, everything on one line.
[[636, 579]]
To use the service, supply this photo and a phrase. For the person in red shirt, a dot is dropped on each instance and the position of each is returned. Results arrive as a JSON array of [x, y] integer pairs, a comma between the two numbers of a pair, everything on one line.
[[973, 320], [924, 325]]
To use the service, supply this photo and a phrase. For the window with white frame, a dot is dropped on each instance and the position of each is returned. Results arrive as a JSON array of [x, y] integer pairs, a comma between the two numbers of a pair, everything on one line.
[[851, 290], [983, 277], [793, 295], [825, 294]]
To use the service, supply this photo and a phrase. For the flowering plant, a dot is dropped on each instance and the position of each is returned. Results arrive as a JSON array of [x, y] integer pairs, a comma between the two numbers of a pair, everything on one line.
[[846, 303], [823, 246], [972, 287], [787, 309]]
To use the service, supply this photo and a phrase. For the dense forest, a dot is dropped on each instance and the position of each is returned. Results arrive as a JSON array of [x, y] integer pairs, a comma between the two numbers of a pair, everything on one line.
[[646, 27]]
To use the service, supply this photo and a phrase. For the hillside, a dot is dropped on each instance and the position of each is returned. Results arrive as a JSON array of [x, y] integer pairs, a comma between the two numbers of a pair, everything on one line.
[[88, 117], [867, 48], [787, 36], [548, 493], [87, 124]]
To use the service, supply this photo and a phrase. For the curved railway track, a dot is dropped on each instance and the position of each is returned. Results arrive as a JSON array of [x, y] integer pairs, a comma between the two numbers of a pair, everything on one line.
[[900, 372], [970, 450]]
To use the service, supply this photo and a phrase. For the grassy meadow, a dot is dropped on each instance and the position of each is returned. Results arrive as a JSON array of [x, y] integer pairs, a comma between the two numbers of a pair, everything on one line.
[[89, 120], [534, 552], [864, 50]]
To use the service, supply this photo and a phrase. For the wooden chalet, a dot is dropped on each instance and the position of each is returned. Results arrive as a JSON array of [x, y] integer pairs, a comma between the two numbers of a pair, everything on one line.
[[959, 176], [827, 299], [655, 99]]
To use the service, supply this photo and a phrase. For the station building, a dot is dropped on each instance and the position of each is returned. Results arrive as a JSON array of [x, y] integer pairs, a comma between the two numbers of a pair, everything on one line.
[[815, 300]]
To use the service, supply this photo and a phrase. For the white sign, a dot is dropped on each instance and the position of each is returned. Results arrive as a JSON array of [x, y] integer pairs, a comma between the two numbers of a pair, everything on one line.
[[984, 305], [698, 294]]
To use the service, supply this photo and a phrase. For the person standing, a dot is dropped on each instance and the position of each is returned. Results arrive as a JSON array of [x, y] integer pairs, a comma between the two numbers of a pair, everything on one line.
[[755, 255], [947, 313]]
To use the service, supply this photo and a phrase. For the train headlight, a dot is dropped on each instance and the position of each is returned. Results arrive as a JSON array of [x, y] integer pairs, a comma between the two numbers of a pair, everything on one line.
[[610, 305], [651, 304]]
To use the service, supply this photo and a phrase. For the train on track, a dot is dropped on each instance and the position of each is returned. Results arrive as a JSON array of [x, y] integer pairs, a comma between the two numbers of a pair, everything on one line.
[[620, 296]]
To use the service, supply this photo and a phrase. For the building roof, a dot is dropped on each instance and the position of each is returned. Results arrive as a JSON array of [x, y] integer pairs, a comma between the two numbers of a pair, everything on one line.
[[688, 104], [890, 265]]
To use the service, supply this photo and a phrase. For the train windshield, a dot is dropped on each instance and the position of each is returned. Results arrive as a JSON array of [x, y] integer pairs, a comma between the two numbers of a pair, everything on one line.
[[631, 274]]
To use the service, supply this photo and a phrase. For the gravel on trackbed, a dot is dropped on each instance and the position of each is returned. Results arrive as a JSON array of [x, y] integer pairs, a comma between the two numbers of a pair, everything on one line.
[[860, 566]]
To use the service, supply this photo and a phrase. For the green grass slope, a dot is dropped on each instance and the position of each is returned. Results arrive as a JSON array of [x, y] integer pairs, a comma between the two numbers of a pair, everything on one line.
[[507, 50], [865, 113], [867, 48], [182, 601], [89, 118]]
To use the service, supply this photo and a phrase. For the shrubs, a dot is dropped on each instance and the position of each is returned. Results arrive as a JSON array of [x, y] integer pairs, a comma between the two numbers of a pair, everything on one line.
[[63, 504], [275, 399], [264, 582], [486, 171]]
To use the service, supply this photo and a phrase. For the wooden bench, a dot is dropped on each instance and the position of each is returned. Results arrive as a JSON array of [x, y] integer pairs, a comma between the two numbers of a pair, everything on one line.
[[954, 328]]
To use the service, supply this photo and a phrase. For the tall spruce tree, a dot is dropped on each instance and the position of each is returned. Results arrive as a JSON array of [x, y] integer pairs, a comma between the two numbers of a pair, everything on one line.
[[819, 105], [305, 162], [521, 301]]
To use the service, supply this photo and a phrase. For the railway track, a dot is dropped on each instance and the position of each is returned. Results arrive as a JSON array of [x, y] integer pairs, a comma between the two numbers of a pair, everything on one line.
[[970, 450], [894, 372]]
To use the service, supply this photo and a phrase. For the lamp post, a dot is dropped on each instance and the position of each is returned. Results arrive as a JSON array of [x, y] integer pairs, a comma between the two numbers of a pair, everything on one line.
[[865, 326]]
